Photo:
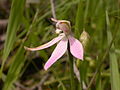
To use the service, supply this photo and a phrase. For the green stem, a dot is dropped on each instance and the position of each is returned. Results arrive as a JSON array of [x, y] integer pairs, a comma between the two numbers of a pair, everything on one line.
[[71, 69]]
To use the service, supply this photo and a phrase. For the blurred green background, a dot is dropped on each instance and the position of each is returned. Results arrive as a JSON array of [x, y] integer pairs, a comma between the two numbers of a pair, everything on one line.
[[27, 23]]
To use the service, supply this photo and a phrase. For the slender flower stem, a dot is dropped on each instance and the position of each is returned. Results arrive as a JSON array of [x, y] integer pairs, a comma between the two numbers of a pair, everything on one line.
[[71, 69]]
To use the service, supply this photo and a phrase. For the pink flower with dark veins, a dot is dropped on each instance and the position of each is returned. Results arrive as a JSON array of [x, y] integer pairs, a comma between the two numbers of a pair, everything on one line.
[[63, 28]]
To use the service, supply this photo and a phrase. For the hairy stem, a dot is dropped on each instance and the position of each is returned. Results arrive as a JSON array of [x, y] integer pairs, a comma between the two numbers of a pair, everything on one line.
[[71, 69]]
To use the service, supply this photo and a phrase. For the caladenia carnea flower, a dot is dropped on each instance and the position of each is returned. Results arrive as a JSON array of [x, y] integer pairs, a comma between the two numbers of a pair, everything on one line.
[[65, 37]]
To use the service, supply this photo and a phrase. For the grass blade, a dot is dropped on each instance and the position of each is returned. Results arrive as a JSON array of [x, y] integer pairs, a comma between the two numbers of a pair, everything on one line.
[[15, 69], [115, 78], [13, 25], [79, 19]]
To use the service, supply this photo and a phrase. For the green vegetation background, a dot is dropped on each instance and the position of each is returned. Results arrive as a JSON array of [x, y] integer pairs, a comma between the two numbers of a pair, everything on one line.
[[29, 25]]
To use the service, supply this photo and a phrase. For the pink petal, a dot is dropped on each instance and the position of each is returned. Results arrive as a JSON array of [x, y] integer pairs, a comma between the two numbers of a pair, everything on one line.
[[57, 53], [50, 43], [76, 48]]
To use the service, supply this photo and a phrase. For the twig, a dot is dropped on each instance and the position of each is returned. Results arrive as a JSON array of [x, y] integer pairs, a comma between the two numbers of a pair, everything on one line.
[[53, 8], [41, 82], [3, 23], [22, 86], [35, 86]]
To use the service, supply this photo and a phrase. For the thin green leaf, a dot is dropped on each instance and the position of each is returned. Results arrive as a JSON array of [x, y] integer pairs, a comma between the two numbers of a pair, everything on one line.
[[79, 19], [15, 68], [115, 78], [13, 25]]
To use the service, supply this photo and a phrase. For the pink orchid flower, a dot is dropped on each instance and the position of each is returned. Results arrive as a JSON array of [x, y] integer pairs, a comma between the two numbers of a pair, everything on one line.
[[64, 38]]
